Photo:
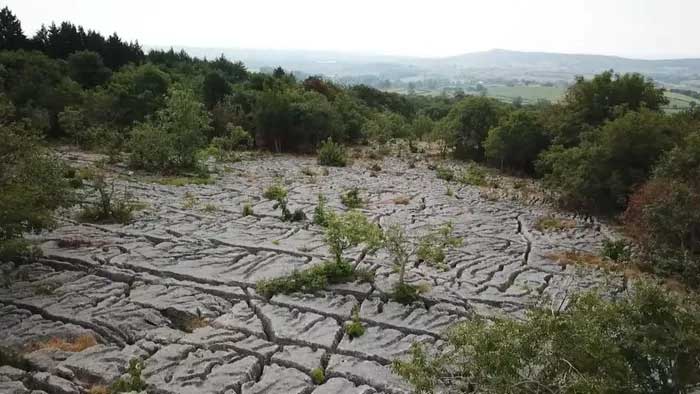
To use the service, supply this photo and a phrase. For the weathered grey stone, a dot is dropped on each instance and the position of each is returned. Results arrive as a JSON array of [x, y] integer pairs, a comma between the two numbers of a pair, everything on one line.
[[240, 317], [342, 386], [299, 357], [371, 373], [303, 327], [279, 380], [54, 384]]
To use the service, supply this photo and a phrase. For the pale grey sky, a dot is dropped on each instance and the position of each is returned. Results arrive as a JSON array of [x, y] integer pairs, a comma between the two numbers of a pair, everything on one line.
[[635, 28]]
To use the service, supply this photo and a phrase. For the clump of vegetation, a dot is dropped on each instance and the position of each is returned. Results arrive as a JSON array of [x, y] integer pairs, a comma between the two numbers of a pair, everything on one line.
[[552, 223], [449, 192], [99, 389], [74, 345], [248, 210], [320, 213], [190, 200], [332, 154], [431, 248], [352, 199], [170, 143], [616, 250], [354, 328], [235, 138], [132, 382], [110, 205], [593, 346], [308, 171], [342, 232], [402, 200], [32, 184], [278, 194], [472, 175], [14, 359], [318, 376], [180, 181], [400, 250], [445, 173], [210, 208]]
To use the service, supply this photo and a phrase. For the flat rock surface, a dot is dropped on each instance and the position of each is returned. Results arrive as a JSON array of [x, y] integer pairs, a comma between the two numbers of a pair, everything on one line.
[[174, 290]]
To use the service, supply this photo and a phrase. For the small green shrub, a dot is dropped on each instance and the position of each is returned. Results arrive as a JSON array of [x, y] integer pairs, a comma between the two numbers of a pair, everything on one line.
[[320, 214], [404, 293], [332, 154], [110, 207], [473, 175], [133, 382], [318, 376], [210, 208], [431, 247], [617, 251], [645, 342], [275, 193], [13, 359], [248, 210], [445, 173], [308, 280], [236, 138], [349, 230], [354, 328], [352, 199]]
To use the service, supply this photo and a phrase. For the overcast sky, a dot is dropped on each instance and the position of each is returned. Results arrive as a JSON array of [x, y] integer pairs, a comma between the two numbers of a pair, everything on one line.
[[636, 28]]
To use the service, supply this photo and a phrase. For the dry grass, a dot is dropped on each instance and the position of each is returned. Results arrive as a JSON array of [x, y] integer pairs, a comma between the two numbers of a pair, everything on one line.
[[195, 323], [629, 271], [67, 345], [551, 223], [99, 390], [402, 200]]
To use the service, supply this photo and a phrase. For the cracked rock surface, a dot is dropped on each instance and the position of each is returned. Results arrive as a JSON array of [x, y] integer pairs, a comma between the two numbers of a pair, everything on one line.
[[175, 288]]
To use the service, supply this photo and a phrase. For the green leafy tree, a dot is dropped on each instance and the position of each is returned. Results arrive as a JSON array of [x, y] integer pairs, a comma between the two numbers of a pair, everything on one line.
[[138, 92], [600, 174], [344, 231], [516, 142], [86, 68], [215, 89], [32, 184], [647, 342], [467, 124], [171, 141]]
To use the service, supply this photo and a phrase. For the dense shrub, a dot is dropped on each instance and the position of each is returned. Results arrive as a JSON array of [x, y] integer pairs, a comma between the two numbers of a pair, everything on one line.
[[467, 124], [516, 142], [235, 138], [170, 143], [32, 184], [600, 174], [332, 154], [647, 342]]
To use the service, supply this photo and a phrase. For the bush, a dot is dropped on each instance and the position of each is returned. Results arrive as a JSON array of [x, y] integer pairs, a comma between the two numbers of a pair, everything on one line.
[[318, 376], [431, 248], [308, 280], [275, 193], [320, 213], [445, 173], [110, 206], [617, 251], [354, 328], [349, 230], [170, 143], [472, 175], [599, 175], [467, 124], [133, 382], [332, 154], [352, 199], [646, 342], [236, 138], [32, 184], [516, 142]]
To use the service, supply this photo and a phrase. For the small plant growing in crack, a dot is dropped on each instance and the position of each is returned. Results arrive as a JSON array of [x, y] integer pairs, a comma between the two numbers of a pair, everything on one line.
[[132, 382], [343, 232], [210, 208], [189, 201], [400, 249], [248, 210], [431, 248], [109, 206], [318, 376], [278, 194], [320, 213], [352, 199], [354, 328]]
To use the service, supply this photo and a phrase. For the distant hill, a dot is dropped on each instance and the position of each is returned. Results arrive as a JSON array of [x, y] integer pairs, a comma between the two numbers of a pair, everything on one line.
[[586, 64], [494, 65]]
